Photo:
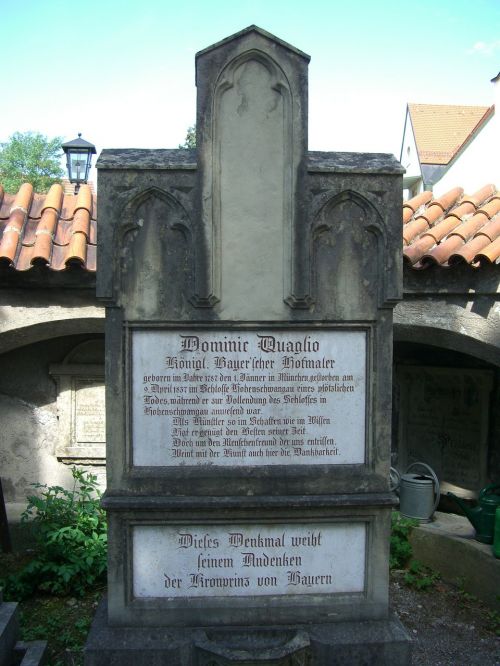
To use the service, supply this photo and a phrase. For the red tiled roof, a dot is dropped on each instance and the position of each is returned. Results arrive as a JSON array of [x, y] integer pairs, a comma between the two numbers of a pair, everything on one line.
[[60, 230], [440, 130], [54, 229], [69, 188], [453, 229]]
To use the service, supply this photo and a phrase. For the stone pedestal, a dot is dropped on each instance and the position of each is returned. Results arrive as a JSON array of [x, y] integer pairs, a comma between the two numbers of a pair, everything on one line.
[[249, 289], [374, 642]]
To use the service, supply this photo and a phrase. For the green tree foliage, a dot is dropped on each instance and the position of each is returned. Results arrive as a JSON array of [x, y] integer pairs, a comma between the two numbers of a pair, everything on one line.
[[30, 157], [190, 140]]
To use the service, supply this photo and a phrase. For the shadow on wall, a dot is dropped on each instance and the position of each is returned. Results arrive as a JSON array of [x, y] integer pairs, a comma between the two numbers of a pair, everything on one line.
[[446, 413], [31, 425]]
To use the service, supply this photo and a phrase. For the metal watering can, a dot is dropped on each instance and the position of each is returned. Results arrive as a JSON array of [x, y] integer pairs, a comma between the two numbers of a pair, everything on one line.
[[418, 493], [482, 516]]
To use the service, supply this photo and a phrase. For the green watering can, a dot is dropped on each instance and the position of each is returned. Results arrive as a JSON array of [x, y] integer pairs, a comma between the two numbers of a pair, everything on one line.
[[482, 516]]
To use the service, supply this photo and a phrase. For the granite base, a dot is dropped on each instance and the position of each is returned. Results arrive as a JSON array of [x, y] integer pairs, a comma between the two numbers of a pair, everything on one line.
[[374, 642]]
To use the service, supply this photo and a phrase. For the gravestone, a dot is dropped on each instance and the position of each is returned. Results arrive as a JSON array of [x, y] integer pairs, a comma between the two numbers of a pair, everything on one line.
[[249, 288]]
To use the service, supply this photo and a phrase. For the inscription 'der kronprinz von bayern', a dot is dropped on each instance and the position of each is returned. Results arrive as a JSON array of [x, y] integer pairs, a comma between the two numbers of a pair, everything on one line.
[[248, 398], [242, 560]]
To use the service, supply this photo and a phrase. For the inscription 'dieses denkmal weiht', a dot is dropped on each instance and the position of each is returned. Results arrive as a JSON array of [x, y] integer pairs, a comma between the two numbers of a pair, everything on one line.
[[243, 560]]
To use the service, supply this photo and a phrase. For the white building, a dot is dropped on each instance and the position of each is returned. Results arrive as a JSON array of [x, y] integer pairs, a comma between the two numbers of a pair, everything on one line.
[[448, 144]]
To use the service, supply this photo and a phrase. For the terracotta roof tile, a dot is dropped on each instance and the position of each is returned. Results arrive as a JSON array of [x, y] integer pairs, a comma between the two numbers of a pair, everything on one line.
[[467, 231], [468, 251], [490, 254], [491, 208], [430, 214], [69, 188], [410, 207], [55, 229], [492, 229], [440, 130], [53, 199], [482, 195], [81, 222], [448, 199]]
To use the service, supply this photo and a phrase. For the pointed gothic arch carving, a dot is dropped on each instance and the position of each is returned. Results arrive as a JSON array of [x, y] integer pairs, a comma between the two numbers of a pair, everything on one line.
[[348, 245], [216, 179], [154, 237]]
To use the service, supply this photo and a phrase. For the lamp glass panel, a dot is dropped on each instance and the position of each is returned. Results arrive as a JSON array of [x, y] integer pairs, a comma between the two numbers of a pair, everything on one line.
[[78, 166]]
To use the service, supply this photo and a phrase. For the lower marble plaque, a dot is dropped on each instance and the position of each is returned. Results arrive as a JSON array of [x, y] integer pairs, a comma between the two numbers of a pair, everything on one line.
[[242, 560]]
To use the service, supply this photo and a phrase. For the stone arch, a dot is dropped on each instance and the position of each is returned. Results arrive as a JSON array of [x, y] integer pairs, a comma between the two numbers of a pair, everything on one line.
[[436, 336], [39, 331]]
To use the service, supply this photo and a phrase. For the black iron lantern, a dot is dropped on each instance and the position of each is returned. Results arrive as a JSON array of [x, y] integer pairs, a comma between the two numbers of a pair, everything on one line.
[[78, 158]]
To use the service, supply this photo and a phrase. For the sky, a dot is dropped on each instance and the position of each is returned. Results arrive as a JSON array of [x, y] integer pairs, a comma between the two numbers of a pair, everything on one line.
[[121, 72]]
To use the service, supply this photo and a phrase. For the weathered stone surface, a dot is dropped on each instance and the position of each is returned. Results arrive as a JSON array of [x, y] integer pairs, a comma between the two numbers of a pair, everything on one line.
[[451, 322], [359, 163], [381, 642], [141, 158], [9, 630], [250, 243], [32, 428], [26, 317], [447, 545], [80, 403], [443, 421], [251, 142], [32, 653]]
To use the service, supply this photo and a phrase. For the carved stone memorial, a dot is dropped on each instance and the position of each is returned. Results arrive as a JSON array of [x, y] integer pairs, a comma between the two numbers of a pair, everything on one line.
[[249, 288]]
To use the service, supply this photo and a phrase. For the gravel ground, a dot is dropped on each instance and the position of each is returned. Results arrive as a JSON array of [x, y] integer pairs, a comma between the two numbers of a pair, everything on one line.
[[448, 627]]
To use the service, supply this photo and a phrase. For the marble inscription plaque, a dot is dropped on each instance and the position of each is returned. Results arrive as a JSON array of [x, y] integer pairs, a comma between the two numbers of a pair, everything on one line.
[[248, 397], [90, 421], [242, 560]]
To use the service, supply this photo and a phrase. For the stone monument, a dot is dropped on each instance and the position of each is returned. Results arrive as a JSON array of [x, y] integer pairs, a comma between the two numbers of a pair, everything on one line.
[[249, 288]]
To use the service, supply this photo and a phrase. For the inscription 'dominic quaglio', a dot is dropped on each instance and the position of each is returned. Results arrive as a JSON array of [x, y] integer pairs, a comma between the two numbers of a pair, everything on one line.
[[266, 343]]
